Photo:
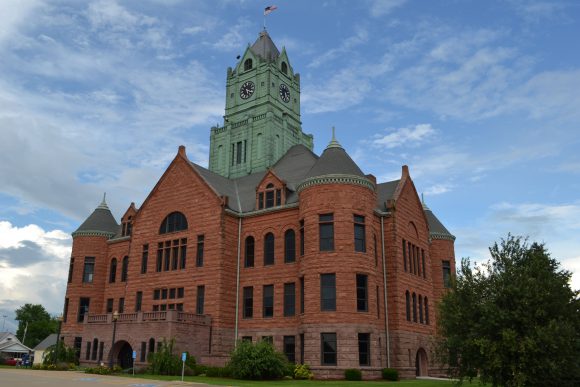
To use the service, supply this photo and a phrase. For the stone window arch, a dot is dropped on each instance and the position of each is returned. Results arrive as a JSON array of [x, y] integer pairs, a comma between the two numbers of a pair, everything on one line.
[[248, 64], [173, 222], [269, 243], [289, 246], [284, 68]]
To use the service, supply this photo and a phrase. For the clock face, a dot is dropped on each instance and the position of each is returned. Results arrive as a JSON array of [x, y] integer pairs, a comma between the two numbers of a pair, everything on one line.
[[247, 89], [284, 93]]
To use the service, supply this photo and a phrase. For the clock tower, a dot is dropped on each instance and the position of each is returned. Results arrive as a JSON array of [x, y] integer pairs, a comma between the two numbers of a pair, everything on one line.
[[262, 115]]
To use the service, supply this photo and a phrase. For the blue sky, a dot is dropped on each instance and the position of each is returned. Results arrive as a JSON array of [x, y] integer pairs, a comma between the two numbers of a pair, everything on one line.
[[480, 98]]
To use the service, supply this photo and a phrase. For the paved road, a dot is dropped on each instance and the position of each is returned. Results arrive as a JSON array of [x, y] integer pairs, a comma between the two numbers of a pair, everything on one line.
[[37, 378]]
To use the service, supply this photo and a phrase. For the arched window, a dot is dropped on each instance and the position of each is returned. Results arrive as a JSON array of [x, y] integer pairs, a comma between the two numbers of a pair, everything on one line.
[[414, 307], [284, 68], [408, 305], [269, 249], [249, 257], [289, 246], [113, 271], [175, 221], [124, 269], [248, 64], [151, 345], [420, 309], [426, 302], [95, 348]]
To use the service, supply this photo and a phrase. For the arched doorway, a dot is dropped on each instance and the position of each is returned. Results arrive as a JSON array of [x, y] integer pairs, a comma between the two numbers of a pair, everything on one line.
[[421, 366], [122, 354]]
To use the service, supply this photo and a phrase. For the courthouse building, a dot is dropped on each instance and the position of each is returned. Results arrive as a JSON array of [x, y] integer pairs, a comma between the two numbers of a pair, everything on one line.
[[271, 242]]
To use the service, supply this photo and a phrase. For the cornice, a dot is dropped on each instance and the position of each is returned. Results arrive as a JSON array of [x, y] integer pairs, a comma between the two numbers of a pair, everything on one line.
[[93, 233], [336, 179]]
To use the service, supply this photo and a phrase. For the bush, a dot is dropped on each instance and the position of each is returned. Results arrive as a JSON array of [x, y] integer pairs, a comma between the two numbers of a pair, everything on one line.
[[164, 361], [352, 374], [66, 354], [302, 371], [218, 372], [390, 374], [257, 361], [99, 370]]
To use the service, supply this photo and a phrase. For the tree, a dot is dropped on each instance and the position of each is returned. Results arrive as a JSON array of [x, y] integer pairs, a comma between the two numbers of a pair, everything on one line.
[[514, 321], [37, 323]]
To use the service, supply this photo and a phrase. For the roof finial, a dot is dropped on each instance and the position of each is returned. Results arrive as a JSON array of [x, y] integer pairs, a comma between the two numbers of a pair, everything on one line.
[[103, 204], [333, 143], [423, 202]]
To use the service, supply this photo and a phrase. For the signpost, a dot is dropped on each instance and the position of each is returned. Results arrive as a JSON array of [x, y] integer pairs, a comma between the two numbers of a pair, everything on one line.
[[183, 357], [134, 357]]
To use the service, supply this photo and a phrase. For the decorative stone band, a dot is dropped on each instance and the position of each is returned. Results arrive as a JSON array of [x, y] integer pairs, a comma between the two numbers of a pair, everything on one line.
[[439, 235], [91, 233], [336, 179], [262, 211]]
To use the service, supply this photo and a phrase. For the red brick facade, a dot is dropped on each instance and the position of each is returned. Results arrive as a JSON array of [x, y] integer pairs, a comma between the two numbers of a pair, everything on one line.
[[211, 335]]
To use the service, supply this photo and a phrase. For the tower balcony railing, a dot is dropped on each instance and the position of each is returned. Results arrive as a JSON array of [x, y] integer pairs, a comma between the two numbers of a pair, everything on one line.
[[142, 317]]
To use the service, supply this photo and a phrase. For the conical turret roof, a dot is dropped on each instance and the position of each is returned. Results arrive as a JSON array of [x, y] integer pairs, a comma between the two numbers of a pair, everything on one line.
[[436, 229], [100, 223], [265, 47], [334, 161]]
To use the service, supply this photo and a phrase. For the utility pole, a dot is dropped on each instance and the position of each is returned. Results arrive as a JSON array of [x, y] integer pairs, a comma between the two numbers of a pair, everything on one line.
[[24, 335]]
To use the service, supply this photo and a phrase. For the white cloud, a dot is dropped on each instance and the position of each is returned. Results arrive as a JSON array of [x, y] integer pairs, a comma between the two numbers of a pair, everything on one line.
[[439, 189], [361, 36], [379, 8], [15, 14], [405, 136], [235, 38]]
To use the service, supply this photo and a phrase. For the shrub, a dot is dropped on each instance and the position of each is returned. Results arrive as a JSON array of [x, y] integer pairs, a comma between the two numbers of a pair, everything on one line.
[[302, 371], [99, 370], [164, 361], [352, 374], [218, 372], [390, 374], [257, 361], [66, 354]]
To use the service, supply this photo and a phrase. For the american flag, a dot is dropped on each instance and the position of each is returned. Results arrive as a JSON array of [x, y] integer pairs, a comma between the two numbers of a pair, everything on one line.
[[269, 9]]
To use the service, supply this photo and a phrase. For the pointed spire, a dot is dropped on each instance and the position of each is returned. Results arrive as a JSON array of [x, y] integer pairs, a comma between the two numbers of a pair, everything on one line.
[[333, 143], [425, 208], [103, 205]]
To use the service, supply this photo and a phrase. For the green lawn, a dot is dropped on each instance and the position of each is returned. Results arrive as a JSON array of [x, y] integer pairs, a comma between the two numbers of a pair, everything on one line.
[[313, 383]]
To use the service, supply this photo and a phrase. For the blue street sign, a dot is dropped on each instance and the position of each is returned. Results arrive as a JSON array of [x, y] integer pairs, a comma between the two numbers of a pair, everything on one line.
[[183, 356], [134, 354]]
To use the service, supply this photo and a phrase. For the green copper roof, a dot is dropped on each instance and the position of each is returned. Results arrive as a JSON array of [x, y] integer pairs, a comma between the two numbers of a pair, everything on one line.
[[265, 47], [100, 223]]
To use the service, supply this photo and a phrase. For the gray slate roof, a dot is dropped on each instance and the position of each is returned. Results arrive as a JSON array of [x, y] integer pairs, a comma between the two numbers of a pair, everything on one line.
[[334, 160], [385, 191], [47, 342], [100, 220], [435, 225], [265, 47]]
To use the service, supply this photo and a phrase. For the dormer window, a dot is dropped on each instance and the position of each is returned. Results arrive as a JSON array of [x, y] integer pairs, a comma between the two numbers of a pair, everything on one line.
[[270, 197], [127, 227], [248, 64], [284, 68]]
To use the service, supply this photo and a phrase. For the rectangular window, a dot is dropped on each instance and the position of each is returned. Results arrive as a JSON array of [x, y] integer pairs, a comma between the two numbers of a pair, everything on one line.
[[278, 197], [423, 261], [260, 200], [245, 150], [101, 350], [328, 348], [239, 152], [110, 305], [88, 354], [200, 299], [378, 303], [269, 198], [302, 238], [183, 253], [143, 353], [180, 292], [89, 269], [159, 263], [248, 302], [175, 255], [247, 338], [289, 299], [302, 348], [268, 339], [144, 258], [199, 256], [268, 301], [65, 311], [77, 347], [155, 308], [71, 267], [171, 306], [405, 254], [301, 294], [179, 307], [156, 294], [122, 305], [364, 349], [84, 304], [376, 250], [360, 243], [166, 255], [290, 348], [326, 231], [249, 256], [163, 307], [233, 154], [164, 294], [138, 301], [446, 266], [362, 294], [328, 292]]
